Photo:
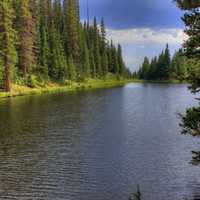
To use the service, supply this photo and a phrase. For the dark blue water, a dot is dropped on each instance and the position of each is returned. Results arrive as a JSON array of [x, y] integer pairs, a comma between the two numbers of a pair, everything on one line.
[[98, 145]]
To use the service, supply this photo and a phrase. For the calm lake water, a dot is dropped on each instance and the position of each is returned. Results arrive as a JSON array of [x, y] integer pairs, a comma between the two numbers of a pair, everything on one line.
[[98, 145]]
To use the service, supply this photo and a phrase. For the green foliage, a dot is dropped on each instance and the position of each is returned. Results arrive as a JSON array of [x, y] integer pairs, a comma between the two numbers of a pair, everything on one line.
[[1, 74], [191, 121], [8, 54], [188, 4], [44, 52], [72, 27], [71, 70], [165, 68], [45, 38], [121, 64], [144, 73], [58, 61], [26, 33], [194, 76], [31, 81], [137, 195]]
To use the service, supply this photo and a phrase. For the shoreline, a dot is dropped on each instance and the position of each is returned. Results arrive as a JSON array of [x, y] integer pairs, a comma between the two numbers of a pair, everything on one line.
[[92, 84], [55, 88]]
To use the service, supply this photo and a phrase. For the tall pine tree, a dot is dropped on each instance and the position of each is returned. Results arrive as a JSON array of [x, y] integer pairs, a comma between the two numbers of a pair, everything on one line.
[[7, 41], [26, 35]]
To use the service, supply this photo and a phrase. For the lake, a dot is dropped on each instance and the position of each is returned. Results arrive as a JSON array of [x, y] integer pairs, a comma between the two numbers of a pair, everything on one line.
[[98, 145]]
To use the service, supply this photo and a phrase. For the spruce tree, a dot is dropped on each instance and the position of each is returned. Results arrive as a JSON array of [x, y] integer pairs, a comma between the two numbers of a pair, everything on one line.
[[44, 54], [58, 66], [191, 120], [104, 62], [97, 55], [71, 75], [45, 23], [103, 49], [191, 19], [145, 69], [120, 60], [52, 44], [26, 35], [179, 68], [92, 63], [72, 26], [114, 59], [166, 63], [7, 41], [57, 16], [85, 61]]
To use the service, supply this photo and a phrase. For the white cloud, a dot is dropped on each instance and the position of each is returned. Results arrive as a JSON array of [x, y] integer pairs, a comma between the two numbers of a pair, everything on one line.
[[140, 42], [147, 36]]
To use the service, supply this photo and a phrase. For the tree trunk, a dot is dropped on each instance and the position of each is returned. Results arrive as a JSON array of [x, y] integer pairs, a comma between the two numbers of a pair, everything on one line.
[[7, 75]]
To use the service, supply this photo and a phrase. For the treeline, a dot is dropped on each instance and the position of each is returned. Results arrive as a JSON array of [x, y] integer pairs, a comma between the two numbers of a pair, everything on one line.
[[163, 67], [43, 41]]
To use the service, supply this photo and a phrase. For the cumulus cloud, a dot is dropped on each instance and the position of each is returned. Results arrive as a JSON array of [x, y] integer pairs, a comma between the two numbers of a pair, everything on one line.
[[145, 36]]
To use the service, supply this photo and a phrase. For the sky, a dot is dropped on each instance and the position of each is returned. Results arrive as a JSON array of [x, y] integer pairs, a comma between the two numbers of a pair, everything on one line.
[[142, 27]]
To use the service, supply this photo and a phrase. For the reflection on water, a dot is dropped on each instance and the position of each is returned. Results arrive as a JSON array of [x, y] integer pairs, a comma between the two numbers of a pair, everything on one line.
[[195, 190], [97, 145]]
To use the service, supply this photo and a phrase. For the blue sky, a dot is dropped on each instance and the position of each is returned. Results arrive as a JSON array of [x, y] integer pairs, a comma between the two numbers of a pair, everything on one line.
[[143, 27]]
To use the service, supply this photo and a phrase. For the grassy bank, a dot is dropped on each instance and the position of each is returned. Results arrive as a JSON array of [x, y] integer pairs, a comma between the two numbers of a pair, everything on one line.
[[19, 90]]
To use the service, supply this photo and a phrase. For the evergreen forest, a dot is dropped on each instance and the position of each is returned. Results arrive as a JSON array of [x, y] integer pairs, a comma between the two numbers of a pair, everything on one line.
[[165, 67], [43, 41]]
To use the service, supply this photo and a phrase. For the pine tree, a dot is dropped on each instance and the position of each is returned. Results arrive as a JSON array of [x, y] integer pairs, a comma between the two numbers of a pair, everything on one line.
[[188, 4], [166, 64], [191, 19], [179, 68], [58, 66], [145, 69], [163, 68], [72, 26], [45, 23], [57, 16], [153, 68], [120, 60], [104, 62], [103, 34], [71, 70], [26, 33], [33, 6], [97, 55], [114, 59], [52, 44], [92, 63], [160, 71], [85, 61], [7, 41], [191, 120], [65, 27], [44, 55], [103, 49]]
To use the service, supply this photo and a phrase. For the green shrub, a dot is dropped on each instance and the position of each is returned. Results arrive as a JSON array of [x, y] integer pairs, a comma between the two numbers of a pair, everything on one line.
[[191, 121], [31, 81], [137, 195]]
